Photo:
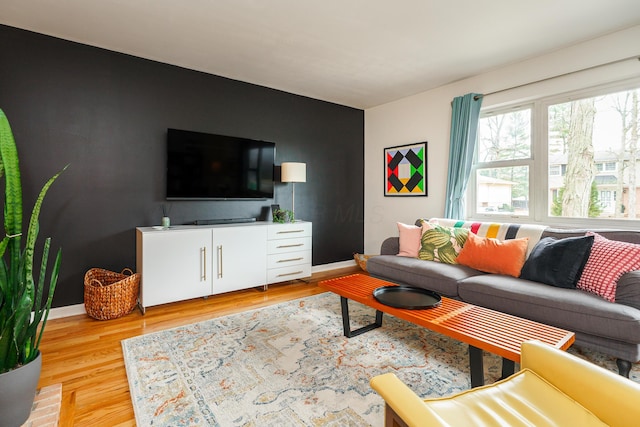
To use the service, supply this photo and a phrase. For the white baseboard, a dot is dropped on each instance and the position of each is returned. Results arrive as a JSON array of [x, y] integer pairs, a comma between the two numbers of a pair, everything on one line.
[[332, 266], [66, 311], [74, 310]]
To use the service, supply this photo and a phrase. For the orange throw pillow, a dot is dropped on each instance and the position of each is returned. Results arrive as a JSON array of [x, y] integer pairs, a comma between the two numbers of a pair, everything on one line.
[[493, 255]]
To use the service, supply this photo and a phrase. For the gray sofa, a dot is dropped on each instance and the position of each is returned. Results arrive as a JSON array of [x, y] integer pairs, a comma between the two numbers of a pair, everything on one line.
[[611, 328]]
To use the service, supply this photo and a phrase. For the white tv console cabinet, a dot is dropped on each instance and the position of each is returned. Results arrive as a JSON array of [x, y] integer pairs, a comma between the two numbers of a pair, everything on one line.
[[190, 261]]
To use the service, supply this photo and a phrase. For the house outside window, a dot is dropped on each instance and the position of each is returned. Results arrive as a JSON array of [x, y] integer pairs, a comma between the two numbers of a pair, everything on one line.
[[569, 159], [503, 163]]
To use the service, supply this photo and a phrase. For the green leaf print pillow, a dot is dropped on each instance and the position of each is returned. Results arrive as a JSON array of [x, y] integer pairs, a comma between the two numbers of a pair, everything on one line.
[[442, 244]]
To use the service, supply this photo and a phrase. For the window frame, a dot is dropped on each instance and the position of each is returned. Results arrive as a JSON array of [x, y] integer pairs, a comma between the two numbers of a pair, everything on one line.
[[472, 201], [539, 161]]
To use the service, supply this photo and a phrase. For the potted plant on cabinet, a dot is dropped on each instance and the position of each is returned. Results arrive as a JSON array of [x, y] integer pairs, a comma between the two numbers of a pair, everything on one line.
[[23, 313]]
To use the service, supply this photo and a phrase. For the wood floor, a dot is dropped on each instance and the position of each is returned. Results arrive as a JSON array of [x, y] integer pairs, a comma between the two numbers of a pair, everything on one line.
[[85, 355]]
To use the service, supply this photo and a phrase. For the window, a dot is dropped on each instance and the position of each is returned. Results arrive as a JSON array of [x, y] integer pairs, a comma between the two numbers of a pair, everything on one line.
[[504, 161], [564, 159], [597, 137]]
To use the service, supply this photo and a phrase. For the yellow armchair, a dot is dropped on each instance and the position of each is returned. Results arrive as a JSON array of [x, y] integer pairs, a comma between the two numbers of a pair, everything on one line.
[[553, 388]]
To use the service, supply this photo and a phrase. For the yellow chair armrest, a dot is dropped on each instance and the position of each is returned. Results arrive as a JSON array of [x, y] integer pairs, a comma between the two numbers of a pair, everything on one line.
[[611, 397], [404, 402]]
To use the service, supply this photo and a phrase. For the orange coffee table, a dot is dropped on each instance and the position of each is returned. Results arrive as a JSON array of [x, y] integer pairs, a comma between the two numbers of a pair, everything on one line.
[[481, 328]]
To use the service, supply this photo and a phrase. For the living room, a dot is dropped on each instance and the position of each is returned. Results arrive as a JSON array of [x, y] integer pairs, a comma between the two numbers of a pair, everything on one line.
[[106, 115]]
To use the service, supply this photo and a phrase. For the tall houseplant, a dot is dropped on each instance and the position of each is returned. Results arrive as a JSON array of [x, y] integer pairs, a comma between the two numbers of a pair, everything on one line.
[[23, 315]]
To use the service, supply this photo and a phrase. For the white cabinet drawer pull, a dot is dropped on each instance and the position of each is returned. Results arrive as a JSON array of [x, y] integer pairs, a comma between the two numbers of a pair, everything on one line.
[[289, 246], [289, 274], [290, 259], [290, 231]]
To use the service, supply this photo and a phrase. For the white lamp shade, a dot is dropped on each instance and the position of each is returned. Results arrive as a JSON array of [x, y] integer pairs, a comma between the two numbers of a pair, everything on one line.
[[293, 172]]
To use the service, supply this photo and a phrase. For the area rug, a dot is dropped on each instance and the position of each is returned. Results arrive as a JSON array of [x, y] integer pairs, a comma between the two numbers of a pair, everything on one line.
[[290, 365]]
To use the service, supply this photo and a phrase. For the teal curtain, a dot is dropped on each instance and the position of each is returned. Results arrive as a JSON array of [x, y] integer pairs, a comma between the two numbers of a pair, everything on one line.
[[464, 131]]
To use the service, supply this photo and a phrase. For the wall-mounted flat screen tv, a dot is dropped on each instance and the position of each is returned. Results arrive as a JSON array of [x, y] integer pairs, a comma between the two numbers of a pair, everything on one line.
[[203, 166]]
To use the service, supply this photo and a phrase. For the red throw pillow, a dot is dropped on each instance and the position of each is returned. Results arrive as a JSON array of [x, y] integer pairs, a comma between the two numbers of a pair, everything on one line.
[[608, 261], [493, 255]]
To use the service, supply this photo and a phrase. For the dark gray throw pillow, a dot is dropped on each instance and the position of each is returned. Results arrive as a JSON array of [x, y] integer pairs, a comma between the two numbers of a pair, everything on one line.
[[558, 262]]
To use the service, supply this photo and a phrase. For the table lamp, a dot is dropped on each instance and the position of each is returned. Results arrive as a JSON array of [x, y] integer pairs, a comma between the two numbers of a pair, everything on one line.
[[293, 172]]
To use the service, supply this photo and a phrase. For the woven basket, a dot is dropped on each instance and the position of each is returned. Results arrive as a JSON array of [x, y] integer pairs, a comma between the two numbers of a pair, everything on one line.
[[109, 295]]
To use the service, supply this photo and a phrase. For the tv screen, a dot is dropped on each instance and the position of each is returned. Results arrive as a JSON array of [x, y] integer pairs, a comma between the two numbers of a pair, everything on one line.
[[205, 166]]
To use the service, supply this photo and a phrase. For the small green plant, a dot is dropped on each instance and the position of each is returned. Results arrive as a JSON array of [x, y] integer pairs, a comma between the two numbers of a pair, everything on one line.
[[283, 215], [21, 297]]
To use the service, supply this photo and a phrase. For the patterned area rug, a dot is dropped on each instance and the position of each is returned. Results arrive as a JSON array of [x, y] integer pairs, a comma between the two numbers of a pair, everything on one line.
[[290, 365]]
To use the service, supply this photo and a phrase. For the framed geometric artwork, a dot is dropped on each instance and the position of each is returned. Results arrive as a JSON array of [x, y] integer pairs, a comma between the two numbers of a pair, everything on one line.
[[405, 170]]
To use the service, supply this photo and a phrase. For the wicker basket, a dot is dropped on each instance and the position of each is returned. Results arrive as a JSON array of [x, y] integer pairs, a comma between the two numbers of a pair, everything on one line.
[[109, 295]]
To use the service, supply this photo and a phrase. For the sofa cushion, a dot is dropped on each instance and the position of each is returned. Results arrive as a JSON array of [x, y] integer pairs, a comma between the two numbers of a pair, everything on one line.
[[442, 244], [628, 289], [493, 255], [570, 309], [608, 261], [390, 246], [558, 262], [409, 238], [435, 276]]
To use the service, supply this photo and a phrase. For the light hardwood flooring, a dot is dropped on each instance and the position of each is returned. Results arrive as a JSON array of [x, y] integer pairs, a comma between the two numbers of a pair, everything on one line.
[[85, 355]]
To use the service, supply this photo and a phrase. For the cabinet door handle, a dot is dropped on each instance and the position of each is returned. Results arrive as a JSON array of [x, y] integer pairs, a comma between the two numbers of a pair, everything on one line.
[[219, 261], [290, 246], [289, 231], [203, 252], [290, 259]]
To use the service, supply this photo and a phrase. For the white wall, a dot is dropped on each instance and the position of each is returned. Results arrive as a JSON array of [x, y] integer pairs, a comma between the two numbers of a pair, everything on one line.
[[426, 117]]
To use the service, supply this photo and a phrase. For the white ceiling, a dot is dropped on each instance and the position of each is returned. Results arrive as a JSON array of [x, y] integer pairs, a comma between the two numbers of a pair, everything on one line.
[[359, 53]]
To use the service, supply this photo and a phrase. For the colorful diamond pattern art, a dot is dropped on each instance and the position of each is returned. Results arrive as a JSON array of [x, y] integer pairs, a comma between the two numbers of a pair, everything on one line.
[[405, 170]]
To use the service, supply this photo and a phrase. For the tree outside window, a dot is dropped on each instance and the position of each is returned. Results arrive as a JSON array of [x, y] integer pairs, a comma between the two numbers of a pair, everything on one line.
[[597, 138], [589, 167]]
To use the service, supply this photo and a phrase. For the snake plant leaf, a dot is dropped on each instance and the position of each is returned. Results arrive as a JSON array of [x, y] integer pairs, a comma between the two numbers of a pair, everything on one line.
[[32, 233], [13, 189], [22, 314], [3, 246], [52, 286], [21, 326]]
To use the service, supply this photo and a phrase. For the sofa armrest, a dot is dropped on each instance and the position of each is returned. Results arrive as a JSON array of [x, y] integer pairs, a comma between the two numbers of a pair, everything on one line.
[[390, 246], [611, 397], [403, 401]]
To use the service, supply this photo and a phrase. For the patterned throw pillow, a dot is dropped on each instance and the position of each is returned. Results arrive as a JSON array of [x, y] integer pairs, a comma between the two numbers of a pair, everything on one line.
[[608, 261], [442, 244]]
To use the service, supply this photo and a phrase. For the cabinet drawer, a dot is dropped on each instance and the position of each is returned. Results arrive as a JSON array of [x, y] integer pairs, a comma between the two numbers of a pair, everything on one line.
[[289, 245], [290, 258], [276, 275], [290, 230]]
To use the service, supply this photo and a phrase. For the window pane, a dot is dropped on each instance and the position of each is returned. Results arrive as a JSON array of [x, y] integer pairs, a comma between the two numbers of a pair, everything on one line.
[[595, 140], [505, 136], [503, 190]]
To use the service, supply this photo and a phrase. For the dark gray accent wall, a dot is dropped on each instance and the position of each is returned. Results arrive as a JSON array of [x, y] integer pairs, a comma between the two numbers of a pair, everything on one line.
[[106, 115]]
